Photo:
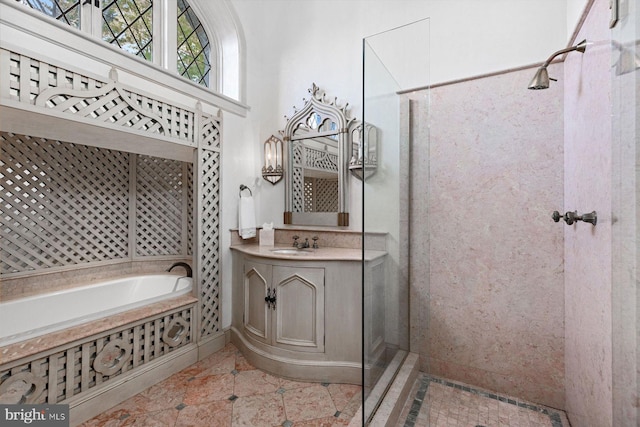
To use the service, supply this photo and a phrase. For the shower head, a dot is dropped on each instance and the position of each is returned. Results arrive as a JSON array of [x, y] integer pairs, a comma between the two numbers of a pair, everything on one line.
[[541, 79]]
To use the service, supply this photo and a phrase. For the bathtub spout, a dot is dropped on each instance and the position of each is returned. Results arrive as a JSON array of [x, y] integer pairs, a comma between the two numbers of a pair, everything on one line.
[[184, 265]]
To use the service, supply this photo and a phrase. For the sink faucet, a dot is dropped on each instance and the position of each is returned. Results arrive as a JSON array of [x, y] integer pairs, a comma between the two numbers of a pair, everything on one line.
[[186, 266], [300, 245]]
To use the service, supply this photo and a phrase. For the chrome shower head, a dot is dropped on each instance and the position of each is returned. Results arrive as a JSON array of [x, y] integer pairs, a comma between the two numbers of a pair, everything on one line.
[[541, 79]]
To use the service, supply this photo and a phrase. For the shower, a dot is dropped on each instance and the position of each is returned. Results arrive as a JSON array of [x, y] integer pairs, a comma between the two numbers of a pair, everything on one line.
[[541, 79]]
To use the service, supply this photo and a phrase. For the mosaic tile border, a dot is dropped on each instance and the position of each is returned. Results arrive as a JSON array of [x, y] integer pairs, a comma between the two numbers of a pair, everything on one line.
[[556, 420]]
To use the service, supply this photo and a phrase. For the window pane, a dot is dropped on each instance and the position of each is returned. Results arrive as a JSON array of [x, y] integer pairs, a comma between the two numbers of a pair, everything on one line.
[[193, 46], [67, 11], [128, 24]]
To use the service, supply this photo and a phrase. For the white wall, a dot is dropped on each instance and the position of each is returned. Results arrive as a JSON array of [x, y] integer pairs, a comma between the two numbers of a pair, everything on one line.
[[291, 44]]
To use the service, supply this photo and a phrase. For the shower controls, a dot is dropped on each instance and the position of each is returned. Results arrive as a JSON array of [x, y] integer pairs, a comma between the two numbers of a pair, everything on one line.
[[571, 217]]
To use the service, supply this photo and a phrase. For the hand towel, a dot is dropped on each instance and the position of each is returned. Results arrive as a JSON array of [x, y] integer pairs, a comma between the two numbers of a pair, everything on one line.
[[246, 217]]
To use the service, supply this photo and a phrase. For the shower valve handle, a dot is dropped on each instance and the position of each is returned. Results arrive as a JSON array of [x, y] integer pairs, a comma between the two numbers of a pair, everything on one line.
[[571, 217]]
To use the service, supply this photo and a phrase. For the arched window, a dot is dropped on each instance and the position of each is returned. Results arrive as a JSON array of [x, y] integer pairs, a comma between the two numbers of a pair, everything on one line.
[[193, 46], [129, 25], [63, 10]]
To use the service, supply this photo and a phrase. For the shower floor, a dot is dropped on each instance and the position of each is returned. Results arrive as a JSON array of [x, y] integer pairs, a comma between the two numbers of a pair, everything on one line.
[[437, 402], [225, 390]]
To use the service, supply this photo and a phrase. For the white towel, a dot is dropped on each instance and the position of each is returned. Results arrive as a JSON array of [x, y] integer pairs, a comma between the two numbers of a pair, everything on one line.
[[246, 217]]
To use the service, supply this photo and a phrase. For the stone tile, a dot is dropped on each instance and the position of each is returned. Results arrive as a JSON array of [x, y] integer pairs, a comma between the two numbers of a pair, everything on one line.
[[255, 381], [164, 418], [208, 393], [258, 410], [308, 403], [209, 388], [342, 394], [242, 364], [216, 413]]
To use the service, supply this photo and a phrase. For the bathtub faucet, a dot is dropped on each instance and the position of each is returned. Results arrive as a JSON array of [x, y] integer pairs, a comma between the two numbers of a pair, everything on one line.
[[184, 265]]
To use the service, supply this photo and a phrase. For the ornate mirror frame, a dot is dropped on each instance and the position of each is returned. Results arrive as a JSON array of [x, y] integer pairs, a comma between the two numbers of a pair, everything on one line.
[[319, 118]]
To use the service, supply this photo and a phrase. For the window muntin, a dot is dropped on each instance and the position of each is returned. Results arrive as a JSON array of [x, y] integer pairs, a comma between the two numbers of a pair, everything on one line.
[[193, 46], [128, 24], [67, 11]]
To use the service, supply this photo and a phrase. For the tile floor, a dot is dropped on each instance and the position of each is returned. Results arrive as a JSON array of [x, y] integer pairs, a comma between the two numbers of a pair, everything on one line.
[[436, 402], [225, 390]]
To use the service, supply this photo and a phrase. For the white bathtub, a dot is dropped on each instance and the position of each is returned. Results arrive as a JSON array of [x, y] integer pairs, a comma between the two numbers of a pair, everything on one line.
[[30, 317]]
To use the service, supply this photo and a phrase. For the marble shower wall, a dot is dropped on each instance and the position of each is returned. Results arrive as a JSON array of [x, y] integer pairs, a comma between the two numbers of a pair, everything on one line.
[[487, 274], [588, 183]]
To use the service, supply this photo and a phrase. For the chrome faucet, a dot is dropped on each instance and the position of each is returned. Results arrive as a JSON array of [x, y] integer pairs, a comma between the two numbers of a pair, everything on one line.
[[305, 244], [186, 266]]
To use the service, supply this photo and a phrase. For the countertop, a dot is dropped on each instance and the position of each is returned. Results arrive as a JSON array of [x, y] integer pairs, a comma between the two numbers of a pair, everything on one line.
[[308, 254]]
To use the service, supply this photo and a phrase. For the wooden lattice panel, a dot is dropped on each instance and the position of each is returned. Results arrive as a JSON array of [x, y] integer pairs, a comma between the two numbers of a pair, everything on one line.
[[209, 217], [308, 195], [66, 204], [190, 210], [210, 132], [62, 204], [85, 365], [326, 195], [321, 160], [159, 206], [104, 100]]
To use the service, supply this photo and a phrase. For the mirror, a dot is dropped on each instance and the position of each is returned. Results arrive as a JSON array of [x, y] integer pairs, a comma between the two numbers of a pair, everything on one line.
[[316, 161]]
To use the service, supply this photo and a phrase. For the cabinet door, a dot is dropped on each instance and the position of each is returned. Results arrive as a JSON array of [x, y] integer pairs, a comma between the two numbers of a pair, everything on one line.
[[256, 311], [299, 313]]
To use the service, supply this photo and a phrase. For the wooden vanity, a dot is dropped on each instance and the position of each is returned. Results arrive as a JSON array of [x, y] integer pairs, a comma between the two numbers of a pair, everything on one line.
[[297, 313]]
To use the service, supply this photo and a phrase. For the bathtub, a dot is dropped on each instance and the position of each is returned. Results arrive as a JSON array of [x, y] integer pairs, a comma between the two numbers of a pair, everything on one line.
[[31, 317]]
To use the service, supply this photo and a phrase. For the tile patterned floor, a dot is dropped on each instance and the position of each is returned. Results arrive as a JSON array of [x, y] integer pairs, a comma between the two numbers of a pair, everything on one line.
[[436, 402], [225, 390]]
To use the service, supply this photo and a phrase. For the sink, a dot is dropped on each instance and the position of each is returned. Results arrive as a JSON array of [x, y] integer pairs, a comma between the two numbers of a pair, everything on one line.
[[289, 252]]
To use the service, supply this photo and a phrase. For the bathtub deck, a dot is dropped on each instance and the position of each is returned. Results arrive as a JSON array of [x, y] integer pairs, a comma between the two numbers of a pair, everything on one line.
[[19, 350], [224, 390]]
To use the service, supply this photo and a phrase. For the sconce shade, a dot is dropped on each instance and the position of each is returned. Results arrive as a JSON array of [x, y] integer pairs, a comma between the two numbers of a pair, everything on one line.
[[364, 147], [272, 170]]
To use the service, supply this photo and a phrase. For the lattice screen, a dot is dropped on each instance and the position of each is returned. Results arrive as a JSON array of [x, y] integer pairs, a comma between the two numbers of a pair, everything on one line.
[[62, 204], [209, 224], [68, 204], [159, 206], [45, 85], [326, 195], [298, 189], [83, 366], [320, 195]]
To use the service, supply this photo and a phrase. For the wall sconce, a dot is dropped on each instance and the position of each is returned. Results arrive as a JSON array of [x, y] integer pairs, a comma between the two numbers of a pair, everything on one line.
[[272, 170], [364, 148]]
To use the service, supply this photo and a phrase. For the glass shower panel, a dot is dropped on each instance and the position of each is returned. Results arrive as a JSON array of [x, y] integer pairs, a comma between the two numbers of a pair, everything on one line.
[[393, 62], [625, 75]]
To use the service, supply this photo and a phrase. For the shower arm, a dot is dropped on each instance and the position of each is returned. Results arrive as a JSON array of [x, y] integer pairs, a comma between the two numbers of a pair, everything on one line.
[[580, 47]]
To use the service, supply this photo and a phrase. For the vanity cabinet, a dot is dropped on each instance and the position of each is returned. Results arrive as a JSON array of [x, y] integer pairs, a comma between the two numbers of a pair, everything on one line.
[[300, 316], [284, 306]]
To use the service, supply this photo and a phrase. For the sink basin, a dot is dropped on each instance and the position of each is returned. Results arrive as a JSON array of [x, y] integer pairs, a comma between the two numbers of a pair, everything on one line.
[[289, 252]]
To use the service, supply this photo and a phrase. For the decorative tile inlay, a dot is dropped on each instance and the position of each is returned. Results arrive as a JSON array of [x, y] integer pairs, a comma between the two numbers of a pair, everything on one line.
[[504, 409]]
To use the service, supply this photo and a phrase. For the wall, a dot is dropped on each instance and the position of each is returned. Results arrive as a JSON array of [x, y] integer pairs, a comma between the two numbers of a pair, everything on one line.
[[493, 285], [587, 81], [291, 44]]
